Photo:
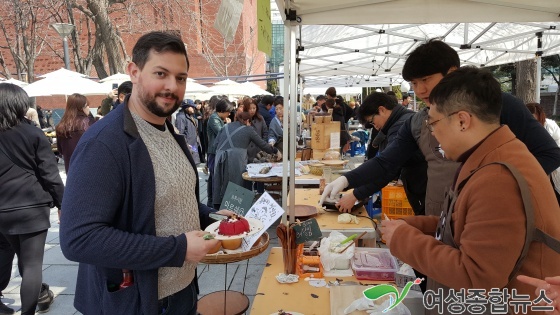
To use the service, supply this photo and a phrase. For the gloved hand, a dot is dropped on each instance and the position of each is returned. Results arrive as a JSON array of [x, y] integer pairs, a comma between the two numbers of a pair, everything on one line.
[[271, 142], [334, 188], [278, 156]]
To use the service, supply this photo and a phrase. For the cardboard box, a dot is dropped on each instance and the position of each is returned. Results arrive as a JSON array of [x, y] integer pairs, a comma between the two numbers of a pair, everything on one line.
[[321, 135]]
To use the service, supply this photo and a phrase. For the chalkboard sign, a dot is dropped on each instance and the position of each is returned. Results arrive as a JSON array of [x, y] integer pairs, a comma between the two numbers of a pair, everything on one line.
[[237, 199], [307, 231]]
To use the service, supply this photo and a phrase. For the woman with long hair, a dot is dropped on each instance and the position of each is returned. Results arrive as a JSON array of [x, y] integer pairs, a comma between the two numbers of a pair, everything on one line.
[[258, 123], [30, 185], [552, 127], [75, 121]]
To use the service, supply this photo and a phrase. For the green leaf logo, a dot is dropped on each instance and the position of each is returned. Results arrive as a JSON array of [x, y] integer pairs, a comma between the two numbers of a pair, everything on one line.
[[395, 299]]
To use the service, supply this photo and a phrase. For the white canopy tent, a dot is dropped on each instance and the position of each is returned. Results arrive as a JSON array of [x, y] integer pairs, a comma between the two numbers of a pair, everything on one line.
[[337, 42]]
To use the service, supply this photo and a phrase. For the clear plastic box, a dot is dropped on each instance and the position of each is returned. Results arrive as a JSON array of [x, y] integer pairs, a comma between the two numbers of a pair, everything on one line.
[[374, 264]]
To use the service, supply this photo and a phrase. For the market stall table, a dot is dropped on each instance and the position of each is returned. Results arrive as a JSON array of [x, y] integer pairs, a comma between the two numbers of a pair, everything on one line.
[[298, 297], [328, 220]]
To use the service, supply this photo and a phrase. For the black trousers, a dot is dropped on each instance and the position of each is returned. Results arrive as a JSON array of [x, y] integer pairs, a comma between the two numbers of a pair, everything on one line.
[[30, 249], [6, 259]]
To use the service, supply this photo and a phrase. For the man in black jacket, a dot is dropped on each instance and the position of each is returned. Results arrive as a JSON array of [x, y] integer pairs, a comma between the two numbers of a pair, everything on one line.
[[264, 106], [387, 116]]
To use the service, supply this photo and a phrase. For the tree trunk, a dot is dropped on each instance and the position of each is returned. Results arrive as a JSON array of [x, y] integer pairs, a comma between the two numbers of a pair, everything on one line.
[[526, 85], [106, 33]]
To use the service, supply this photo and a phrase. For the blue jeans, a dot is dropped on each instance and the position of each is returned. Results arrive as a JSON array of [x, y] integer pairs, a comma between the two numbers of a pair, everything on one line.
[[181, 303]]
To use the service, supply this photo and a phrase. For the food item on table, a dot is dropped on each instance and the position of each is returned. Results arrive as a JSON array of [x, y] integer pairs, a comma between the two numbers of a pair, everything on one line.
[[234, 225], [232, 244], [281, 312], [305, 169], [216, 248], [264, 170], [332, 154]]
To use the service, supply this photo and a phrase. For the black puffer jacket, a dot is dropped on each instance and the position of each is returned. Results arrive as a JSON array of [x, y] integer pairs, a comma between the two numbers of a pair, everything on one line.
[[29, 175]]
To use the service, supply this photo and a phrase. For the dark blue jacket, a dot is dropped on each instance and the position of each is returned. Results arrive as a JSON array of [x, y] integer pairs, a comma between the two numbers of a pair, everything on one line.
[[265, 113], [108, 221], [413, 171]]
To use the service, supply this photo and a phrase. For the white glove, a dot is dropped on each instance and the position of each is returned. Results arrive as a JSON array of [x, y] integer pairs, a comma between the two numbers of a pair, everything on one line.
[[271, 142], [278, 156], [334, 188]]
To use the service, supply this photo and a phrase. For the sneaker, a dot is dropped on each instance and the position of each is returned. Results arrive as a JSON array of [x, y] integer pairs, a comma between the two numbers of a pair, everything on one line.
[[205, 170], [5, 310], [46, 298]]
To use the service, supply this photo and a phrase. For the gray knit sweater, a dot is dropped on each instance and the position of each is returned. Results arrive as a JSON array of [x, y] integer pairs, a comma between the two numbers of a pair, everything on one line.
[[176, 208]]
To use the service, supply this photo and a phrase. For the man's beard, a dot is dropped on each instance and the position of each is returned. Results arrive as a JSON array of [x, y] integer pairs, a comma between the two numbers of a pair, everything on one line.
[[154, 108]]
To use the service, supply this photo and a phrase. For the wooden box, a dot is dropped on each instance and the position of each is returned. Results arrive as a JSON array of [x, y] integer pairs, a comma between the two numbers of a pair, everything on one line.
[[321, 135]]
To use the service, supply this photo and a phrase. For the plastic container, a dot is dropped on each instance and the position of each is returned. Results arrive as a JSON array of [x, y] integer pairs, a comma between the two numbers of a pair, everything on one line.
[[374, 264], [394, 202]]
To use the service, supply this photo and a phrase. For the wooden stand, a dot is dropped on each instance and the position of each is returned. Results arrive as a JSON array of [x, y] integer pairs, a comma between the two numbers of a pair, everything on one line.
[[228, 302]]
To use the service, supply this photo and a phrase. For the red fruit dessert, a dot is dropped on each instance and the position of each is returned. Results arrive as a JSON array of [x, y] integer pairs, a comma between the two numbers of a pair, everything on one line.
[[234, 225]]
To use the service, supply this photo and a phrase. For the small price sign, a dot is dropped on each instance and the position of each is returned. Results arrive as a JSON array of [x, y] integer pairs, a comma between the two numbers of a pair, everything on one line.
[[307, 231], [237, 199]]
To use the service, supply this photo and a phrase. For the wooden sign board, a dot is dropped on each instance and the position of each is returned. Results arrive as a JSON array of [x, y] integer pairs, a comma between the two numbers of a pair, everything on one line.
[[307, 231], [237, 199]]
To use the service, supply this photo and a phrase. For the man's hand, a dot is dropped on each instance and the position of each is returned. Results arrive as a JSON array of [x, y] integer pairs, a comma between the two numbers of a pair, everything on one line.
[[334, 188], [278, 156], [551, 287], [197, 246], [388, 227], [346, 203], [225, 212]]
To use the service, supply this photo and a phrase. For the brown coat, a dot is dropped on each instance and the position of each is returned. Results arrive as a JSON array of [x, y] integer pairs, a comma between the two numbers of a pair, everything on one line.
[[488, 222]]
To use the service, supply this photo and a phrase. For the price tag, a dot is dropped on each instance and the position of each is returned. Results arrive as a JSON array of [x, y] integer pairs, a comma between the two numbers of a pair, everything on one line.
[[307, 231], [237, 199]]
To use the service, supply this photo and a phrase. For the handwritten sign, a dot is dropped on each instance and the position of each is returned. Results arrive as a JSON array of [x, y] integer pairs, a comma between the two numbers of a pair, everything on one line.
[[237, 199], [266, 210], [307, 231]]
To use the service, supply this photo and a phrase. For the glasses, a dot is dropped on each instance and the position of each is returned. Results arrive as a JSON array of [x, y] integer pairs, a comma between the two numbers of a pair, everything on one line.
[[430, 125]]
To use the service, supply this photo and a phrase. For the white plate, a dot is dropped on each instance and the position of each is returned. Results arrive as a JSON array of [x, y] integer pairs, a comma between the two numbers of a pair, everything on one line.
[[292, 313], [254, 226]]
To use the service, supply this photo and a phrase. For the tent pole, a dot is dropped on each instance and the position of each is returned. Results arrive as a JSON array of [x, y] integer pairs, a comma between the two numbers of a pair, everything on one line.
[[538, 55], [293, 122]]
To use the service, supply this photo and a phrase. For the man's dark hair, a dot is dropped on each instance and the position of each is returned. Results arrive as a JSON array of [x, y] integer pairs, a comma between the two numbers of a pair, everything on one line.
[[14, 103], [405, 96], [371, 104], [331, 92], [159, 42], [267, 100], [321, 97], [223, 105], [470, 89], [432, 57], [124, 88], [279, 100]]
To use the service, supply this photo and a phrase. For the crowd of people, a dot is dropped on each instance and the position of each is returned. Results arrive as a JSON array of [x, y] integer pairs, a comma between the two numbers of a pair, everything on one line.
[[475, 164]]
